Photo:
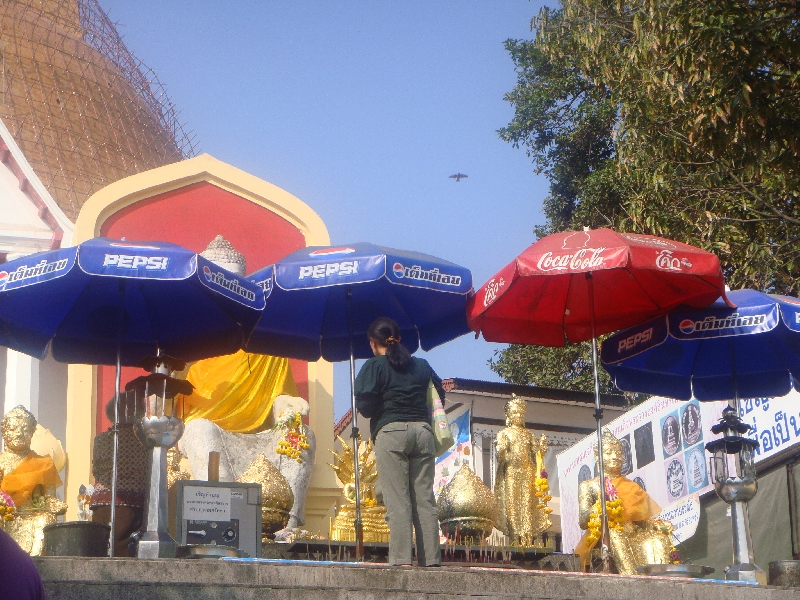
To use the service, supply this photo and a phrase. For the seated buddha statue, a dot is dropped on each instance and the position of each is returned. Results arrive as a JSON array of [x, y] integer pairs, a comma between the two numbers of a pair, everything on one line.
[[31, 481], [520, 486], [244, 405], [636, 538]]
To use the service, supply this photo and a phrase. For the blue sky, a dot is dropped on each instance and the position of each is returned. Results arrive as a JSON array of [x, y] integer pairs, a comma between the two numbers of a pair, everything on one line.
[[362, 110]]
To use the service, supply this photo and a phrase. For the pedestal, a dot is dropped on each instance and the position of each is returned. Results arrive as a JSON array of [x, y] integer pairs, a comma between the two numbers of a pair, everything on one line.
[[155, 540], [744, 567]]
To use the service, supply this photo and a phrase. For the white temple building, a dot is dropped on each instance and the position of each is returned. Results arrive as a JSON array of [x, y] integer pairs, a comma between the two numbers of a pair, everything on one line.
[[30, 221]]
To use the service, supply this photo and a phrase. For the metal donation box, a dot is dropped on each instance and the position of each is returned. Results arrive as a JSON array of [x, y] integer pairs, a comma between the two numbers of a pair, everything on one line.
[[221, 513]]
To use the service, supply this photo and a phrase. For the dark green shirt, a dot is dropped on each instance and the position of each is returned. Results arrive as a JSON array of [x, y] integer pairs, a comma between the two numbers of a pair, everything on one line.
[[385, 395]]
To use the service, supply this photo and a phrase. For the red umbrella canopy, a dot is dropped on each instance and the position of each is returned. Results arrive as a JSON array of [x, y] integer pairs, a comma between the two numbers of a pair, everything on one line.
[[543, 296]]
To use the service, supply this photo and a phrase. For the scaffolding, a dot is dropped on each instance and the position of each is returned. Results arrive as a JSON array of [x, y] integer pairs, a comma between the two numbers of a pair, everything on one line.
[[84, 110]]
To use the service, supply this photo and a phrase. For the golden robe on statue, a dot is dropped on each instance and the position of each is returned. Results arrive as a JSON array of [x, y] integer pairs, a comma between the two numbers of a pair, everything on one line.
[[236, 391]]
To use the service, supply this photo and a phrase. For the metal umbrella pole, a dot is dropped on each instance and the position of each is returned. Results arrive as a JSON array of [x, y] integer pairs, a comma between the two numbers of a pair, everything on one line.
[[598, 415], [115, 428], [359, 553]]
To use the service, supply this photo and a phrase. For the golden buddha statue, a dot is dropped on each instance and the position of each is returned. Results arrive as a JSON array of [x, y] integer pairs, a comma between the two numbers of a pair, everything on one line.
[[636, 539], [467, 508], [521, 483], [31, 481], [373, 515]]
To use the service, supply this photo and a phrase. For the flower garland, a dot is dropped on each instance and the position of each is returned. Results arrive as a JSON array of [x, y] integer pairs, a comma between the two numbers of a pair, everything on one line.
[[8, 509], [294, 440], [614, 511], [542, 487]]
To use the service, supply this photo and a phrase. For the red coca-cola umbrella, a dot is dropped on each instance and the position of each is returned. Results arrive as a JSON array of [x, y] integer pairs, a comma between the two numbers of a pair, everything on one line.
[[543, 296], [577, 285]]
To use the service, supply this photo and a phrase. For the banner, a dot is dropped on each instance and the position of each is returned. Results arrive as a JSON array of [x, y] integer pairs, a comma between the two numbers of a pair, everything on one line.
[[664, 443], [460, 453], [664, 452]]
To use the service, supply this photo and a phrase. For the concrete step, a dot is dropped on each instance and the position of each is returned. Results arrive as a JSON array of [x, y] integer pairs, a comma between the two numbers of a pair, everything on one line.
[[73, 578]]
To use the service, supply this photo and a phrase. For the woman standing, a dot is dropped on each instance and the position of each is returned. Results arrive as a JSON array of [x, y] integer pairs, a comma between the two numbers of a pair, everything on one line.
[[391, 390]]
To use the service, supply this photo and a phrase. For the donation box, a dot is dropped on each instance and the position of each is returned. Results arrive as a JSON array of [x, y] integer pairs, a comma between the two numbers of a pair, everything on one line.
[[222, 513]]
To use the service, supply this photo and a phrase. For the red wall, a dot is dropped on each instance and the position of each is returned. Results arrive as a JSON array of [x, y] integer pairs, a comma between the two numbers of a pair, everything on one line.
[[192, 216]]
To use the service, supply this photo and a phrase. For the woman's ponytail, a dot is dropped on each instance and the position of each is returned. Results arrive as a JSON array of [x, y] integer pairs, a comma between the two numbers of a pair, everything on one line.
[[385, 332]]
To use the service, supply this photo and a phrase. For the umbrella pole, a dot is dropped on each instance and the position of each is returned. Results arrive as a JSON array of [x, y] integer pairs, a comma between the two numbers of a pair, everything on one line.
[[358, 525], [605, 539], [115, 428]]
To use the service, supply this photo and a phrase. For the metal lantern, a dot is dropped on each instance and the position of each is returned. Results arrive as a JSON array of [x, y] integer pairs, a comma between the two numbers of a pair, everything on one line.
[[158, 430], [736, 486]]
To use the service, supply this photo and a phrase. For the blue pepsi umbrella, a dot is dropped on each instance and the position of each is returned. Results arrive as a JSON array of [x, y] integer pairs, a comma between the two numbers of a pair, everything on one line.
[[714, 353], [320, 302], [116, 302], [91, 301]]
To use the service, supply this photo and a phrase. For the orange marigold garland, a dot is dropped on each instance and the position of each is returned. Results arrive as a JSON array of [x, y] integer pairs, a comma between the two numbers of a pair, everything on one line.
[[614, 511], [294, 440], [542, 487]]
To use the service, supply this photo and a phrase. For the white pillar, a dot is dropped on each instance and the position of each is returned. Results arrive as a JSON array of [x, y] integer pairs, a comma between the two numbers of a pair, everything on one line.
[[22, 382]]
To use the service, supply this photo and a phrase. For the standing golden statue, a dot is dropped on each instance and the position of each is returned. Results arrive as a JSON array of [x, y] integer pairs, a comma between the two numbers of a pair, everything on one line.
[[373, 515], [31, 481], [521, 483], [636, 539]]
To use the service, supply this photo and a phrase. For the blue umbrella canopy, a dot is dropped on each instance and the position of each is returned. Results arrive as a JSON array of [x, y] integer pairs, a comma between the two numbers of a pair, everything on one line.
[[90, 300], [308, 314], [714, 353]]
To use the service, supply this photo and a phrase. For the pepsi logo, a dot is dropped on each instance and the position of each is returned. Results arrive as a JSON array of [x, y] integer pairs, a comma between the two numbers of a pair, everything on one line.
[[207, 272], [686, 326], [398, 270], [3, 277], [332, 251]]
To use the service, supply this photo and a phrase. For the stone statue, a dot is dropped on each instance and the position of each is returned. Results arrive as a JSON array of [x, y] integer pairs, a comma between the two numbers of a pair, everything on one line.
[[131, 474], [237, 399], [523, 514], [636, 538], [239, 450], [373, 514], [31, 481]]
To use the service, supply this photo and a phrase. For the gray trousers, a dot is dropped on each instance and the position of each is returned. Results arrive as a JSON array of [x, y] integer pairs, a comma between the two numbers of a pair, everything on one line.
[[406, 458]]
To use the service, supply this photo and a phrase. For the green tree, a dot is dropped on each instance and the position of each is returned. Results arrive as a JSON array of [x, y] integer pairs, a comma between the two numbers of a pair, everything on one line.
[[672, 117]]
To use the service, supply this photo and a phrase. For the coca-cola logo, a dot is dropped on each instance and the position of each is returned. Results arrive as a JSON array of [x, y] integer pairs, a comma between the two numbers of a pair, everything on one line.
[[585, 258], [492, 289], [665, 260]]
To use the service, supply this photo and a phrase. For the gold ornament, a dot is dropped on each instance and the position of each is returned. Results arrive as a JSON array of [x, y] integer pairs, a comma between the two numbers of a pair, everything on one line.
[[373, 515], [276, 495], [467, 508]]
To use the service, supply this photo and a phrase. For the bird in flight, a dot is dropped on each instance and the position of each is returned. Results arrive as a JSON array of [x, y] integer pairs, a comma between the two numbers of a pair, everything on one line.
[[458, 176]]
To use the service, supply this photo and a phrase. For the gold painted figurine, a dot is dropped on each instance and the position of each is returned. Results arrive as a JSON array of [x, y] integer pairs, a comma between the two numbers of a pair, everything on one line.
[[636, 539], [373, 515], [31, 481], [521, 482]]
